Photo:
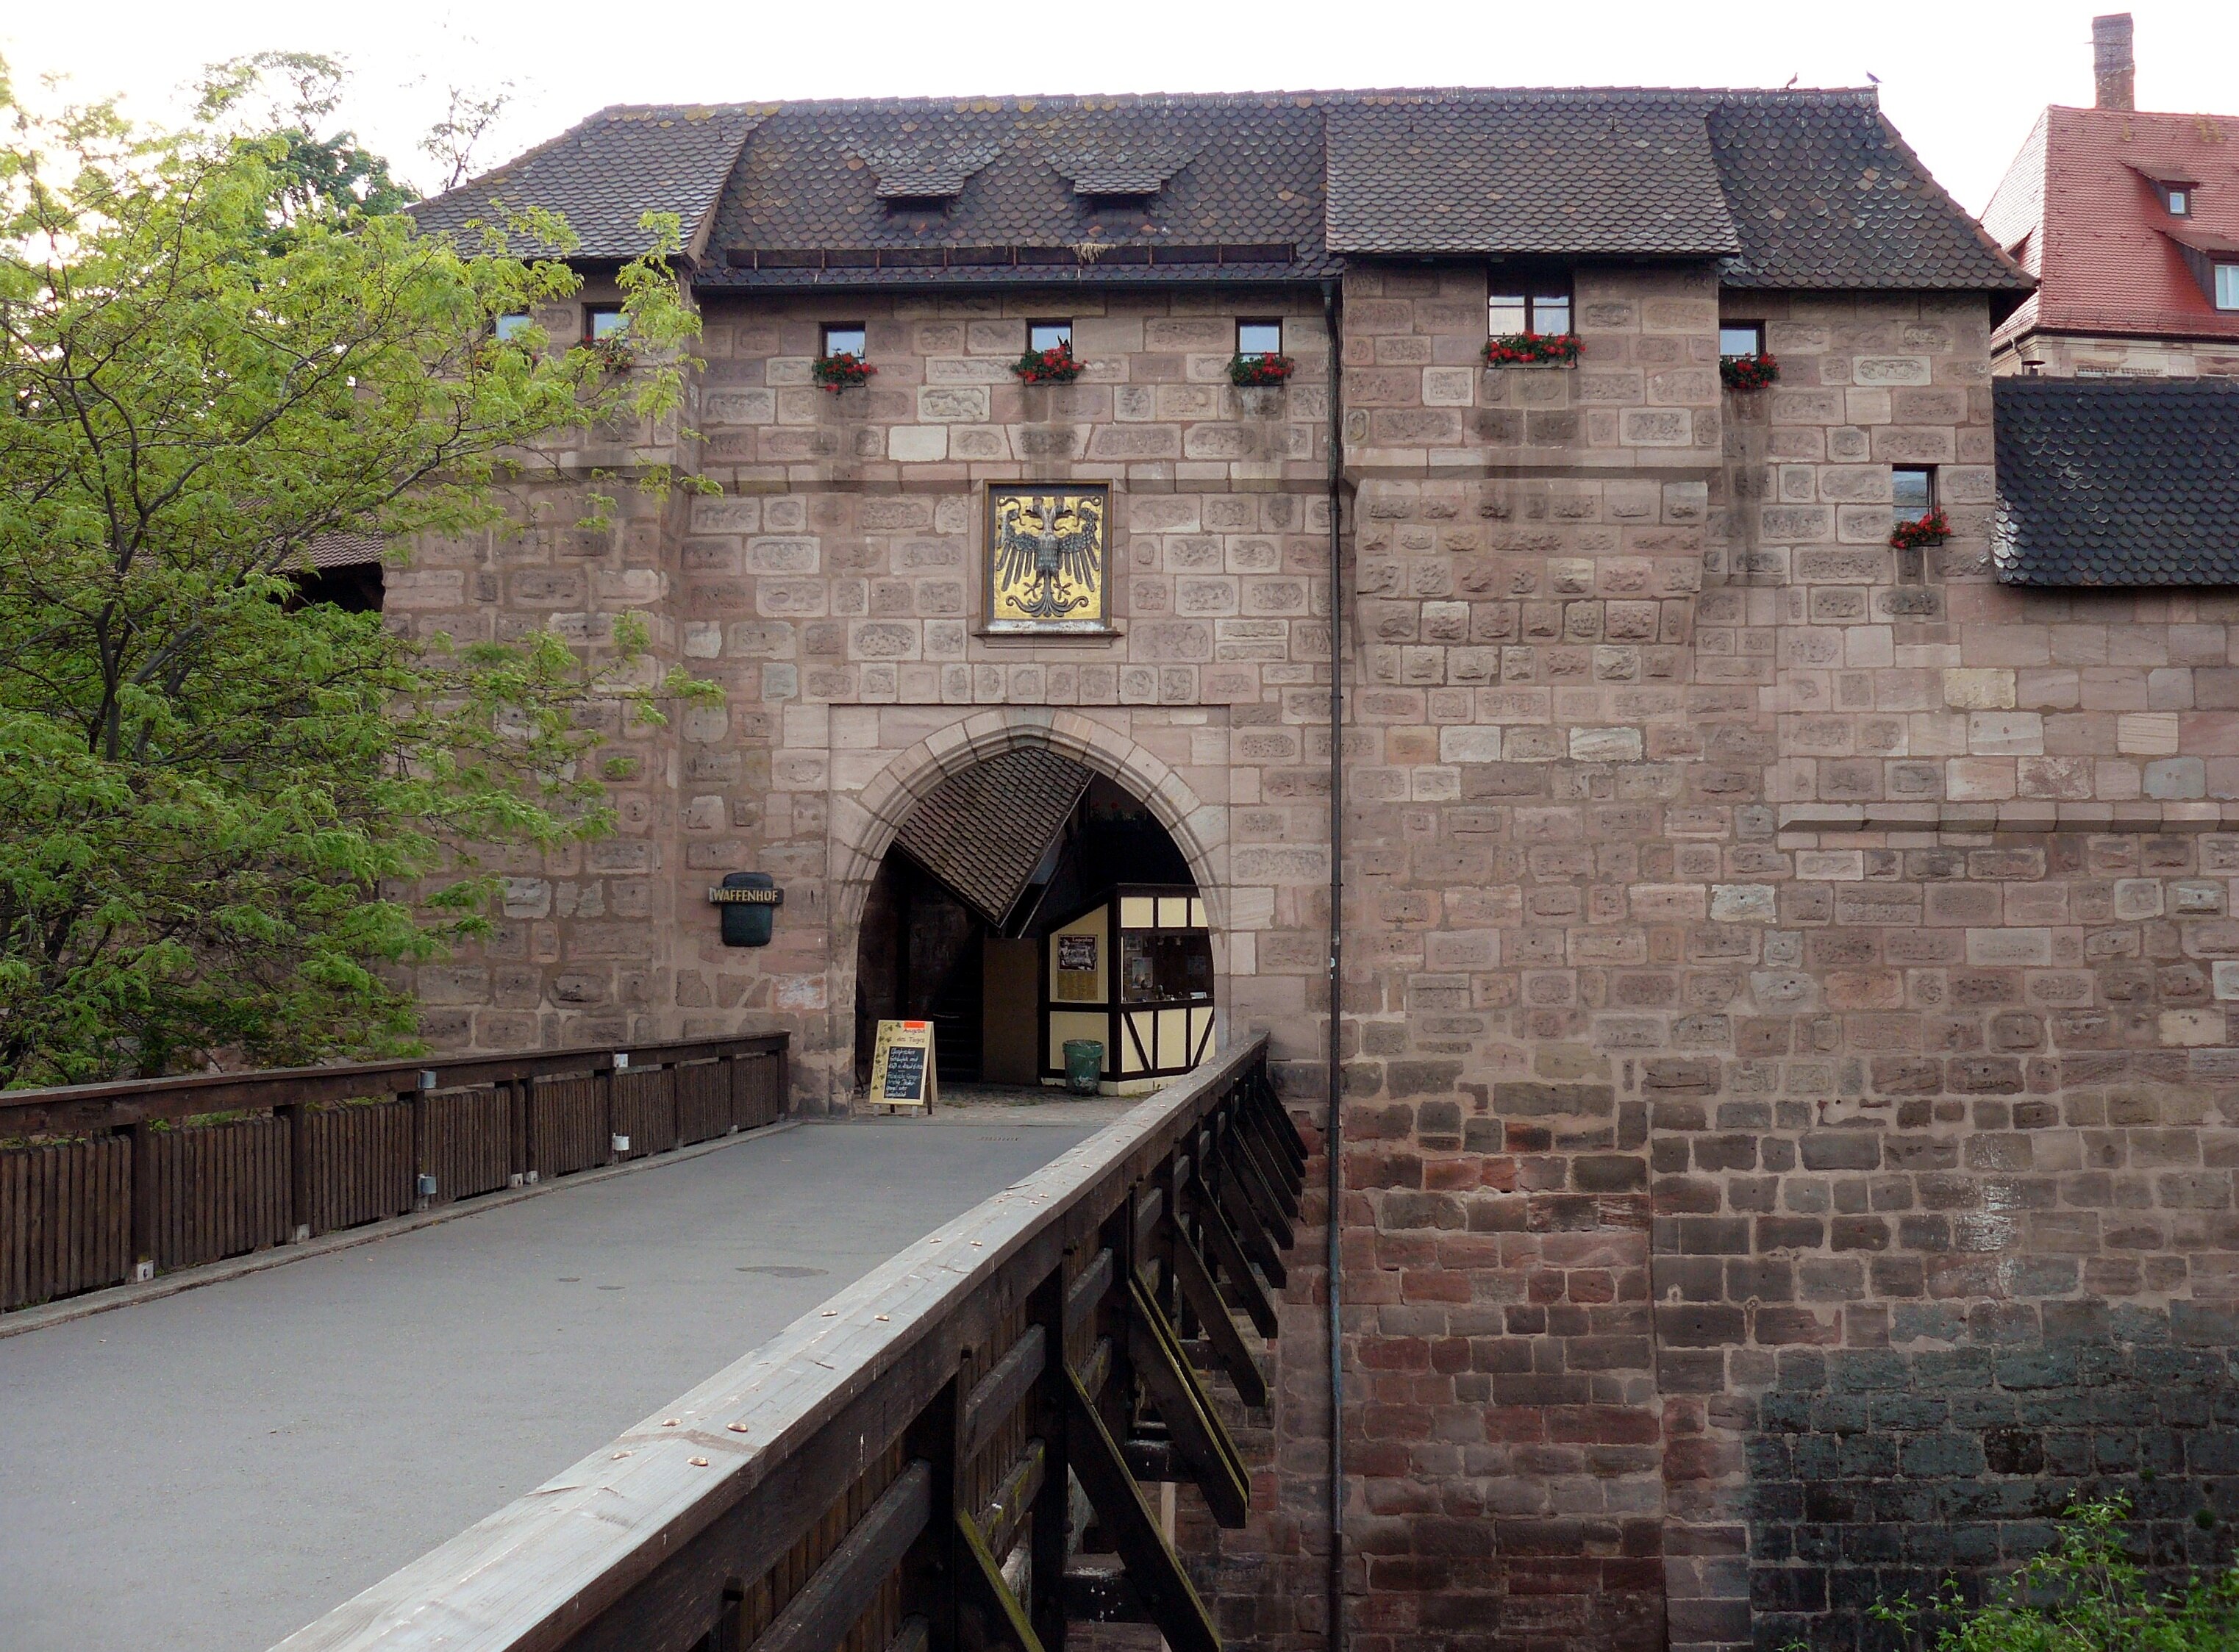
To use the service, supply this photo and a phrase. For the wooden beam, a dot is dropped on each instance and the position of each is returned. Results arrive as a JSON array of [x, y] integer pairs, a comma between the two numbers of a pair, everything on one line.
[[1158, 1577], [1246, 1172], [1204, 1297], [840, 1591], [1000, 1620], [1228, 1251], [996, 1396], [1211, 1457], [1099, 1596], [1252, 1233], [1087, 1292]]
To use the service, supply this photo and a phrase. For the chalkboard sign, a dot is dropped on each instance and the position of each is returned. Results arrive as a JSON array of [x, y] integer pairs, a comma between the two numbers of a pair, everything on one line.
[[902, 1072]]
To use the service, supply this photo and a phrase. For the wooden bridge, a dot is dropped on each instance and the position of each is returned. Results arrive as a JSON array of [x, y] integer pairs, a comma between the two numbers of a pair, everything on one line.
[[948, 1455]]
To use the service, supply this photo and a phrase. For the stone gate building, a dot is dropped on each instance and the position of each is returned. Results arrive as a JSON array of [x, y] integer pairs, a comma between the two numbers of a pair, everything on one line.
[[1789, 1102]]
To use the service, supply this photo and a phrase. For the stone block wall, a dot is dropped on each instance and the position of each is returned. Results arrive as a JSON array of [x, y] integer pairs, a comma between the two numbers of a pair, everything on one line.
[[1792, 1111], [2065, 355]]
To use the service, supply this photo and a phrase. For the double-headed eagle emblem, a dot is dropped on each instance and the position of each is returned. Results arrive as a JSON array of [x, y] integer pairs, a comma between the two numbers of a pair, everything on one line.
[[1048, 551]]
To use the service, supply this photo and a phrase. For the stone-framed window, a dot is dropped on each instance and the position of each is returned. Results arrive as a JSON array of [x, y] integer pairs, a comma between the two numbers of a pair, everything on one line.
[[603, 321], [512, 325], [1912, 492], [1740, 338], [1048, 556], [1260, 335], [843, 338], [1048, 335], [1536, 304]]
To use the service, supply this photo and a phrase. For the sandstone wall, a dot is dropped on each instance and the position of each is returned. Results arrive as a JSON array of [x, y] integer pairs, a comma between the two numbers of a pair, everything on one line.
[[1790, 1102]]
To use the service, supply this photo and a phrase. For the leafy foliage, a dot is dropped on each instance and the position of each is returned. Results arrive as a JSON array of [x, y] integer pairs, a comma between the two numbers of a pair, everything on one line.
[[227, 814], [2084, 1594]]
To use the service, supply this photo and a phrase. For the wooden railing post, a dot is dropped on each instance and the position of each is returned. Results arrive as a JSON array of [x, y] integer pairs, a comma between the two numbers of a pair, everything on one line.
[[1052, 1515], [422, 1172], [520, 1123], [142, 1137], [609, 1080], [293, 1116]]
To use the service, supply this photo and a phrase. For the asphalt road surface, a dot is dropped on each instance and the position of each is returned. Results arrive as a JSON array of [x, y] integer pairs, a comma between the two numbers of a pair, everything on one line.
[[210, 1472]]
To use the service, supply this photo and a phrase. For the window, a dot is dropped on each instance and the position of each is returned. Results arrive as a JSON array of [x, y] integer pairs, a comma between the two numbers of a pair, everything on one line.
[[844, 338], [1740, 338], [604, 320], [2227, 286], [1912, 492], [1048, 335], [1259, 338], [2178, 200], [1166, 966], [513, 324], [1543, 306]]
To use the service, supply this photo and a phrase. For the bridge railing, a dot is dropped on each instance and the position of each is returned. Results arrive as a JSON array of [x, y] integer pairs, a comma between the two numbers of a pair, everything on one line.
[[946, 1455], [103, 1183]]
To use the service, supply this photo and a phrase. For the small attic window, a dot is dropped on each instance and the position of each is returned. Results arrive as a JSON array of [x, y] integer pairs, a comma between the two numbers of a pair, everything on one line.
[[2178, 199], [2227, 286]]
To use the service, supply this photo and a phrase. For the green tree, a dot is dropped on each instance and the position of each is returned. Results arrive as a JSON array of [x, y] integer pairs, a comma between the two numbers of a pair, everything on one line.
[[211, 792]]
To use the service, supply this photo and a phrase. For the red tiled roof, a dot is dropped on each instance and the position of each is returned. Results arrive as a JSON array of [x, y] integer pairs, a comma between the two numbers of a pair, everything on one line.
[[2103, 247]]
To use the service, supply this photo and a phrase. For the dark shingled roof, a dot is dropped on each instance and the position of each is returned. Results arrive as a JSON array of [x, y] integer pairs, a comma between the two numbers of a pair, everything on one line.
[[982, 832], [1826, 194], [1230, 181], [2116, 481], [605, 173], [1524, 172], [1788, 188]]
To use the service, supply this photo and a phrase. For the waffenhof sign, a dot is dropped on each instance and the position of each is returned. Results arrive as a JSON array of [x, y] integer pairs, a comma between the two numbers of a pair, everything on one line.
[[1046, 559], [749, 901], [901, 1066]]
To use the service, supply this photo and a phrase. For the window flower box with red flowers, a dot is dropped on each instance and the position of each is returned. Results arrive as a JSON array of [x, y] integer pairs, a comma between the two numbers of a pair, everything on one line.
[[1056, 365], [1931, 529], [613, 353], [1749, 372], [1532, 350], [840, 371], [1260, 371]]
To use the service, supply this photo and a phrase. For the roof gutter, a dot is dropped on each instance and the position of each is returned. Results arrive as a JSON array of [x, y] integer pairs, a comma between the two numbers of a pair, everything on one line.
[[1333, 1132]]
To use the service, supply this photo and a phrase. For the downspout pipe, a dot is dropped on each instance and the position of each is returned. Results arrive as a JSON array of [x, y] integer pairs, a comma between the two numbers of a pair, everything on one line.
[[1334, 1132]]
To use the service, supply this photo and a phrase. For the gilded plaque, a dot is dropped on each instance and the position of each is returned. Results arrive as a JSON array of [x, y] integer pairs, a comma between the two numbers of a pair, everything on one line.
[[1046, 559]]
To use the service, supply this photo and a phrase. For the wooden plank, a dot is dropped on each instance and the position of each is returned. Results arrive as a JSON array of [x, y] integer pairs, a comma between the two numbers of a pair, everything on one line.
[[1186, 1409], [1252, 1232], [638, 1520], [996, 1396], [1001, 1620], [1228, 1251], [824, 1611], [1157, 1576], [1088, 1291], [1198, 1288]]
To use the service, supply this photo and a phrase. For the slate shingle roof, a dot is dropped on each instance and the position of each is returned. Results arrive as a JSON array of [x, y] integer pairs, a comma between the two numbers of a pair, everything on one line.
[[2116, 481], [605, 173], [1826, 194], [1230, 181], [1791, 188], [1526, 172], [982, 832]]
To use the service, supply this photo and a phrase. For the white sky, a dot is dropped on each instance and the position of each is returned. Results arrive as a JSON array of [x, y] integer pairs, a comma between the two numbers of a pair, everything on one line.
[[1963, 79]]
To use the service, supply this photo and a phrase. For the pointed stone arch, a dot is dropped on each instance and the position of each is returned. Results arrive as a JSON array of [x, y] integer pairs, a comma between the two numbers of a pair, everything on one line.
[[864, 826]]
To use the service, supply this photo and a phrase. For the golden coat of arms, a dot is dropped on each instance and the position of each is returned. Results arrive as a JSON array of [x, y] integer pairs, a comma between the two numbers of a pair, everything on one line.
[[1047, 558]]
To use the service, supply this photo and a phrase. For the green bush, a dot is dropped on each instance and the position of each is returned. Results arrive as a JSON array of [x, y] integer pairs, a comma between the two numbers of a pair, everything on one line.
[[2084, 1594]]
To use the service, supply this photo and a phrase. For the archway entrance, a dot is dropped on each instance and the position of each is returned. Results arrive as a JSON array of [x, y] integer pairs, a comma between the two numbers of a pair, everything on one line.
[[1027, 901]]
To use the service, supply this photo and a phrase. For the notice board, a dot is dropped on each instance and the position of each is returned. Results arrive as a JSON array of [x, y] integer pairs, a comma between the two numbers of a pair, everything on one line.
[[902, 1072]]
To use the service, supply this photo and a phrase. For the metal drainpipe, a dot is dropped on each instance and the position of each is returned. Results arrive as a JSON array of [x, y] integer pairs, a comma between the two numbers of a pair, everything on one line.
[[1334, 1132]]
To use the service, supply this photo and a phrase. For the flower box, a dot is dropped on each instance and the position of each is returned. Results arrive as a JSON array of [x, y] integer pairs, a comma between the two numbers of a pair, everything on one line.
[[838, 372], [1532, 350], [1748, 372], [613, 353], [1260, 371], [1056, 365], [1931, 529]]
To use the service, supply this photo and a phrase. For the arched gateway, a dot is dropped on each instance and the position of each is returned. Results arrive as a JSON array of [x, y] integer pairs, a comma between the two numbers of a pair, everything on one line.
[[1022, 879]]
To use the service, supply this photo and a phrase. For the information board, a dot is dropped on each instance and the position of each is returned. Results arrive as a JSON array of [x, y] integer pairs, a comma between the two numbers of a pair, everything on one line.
[[902, 1072]]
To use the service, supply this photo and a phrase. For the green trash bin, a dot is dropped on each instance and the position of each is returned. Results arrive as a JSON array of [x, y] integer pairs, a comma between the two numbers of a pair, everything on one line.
[[1084, 1065]]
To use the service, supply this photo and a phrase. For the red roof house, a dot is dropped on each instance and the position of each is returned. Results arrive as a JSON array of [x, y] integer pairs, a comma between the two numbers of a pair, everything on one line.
[[2130, 220]]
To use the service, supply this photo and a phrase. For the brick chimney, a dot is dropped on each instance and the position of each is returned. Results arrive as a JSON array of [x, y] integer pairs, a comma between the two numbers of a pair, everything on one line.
[[2114, 71]]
